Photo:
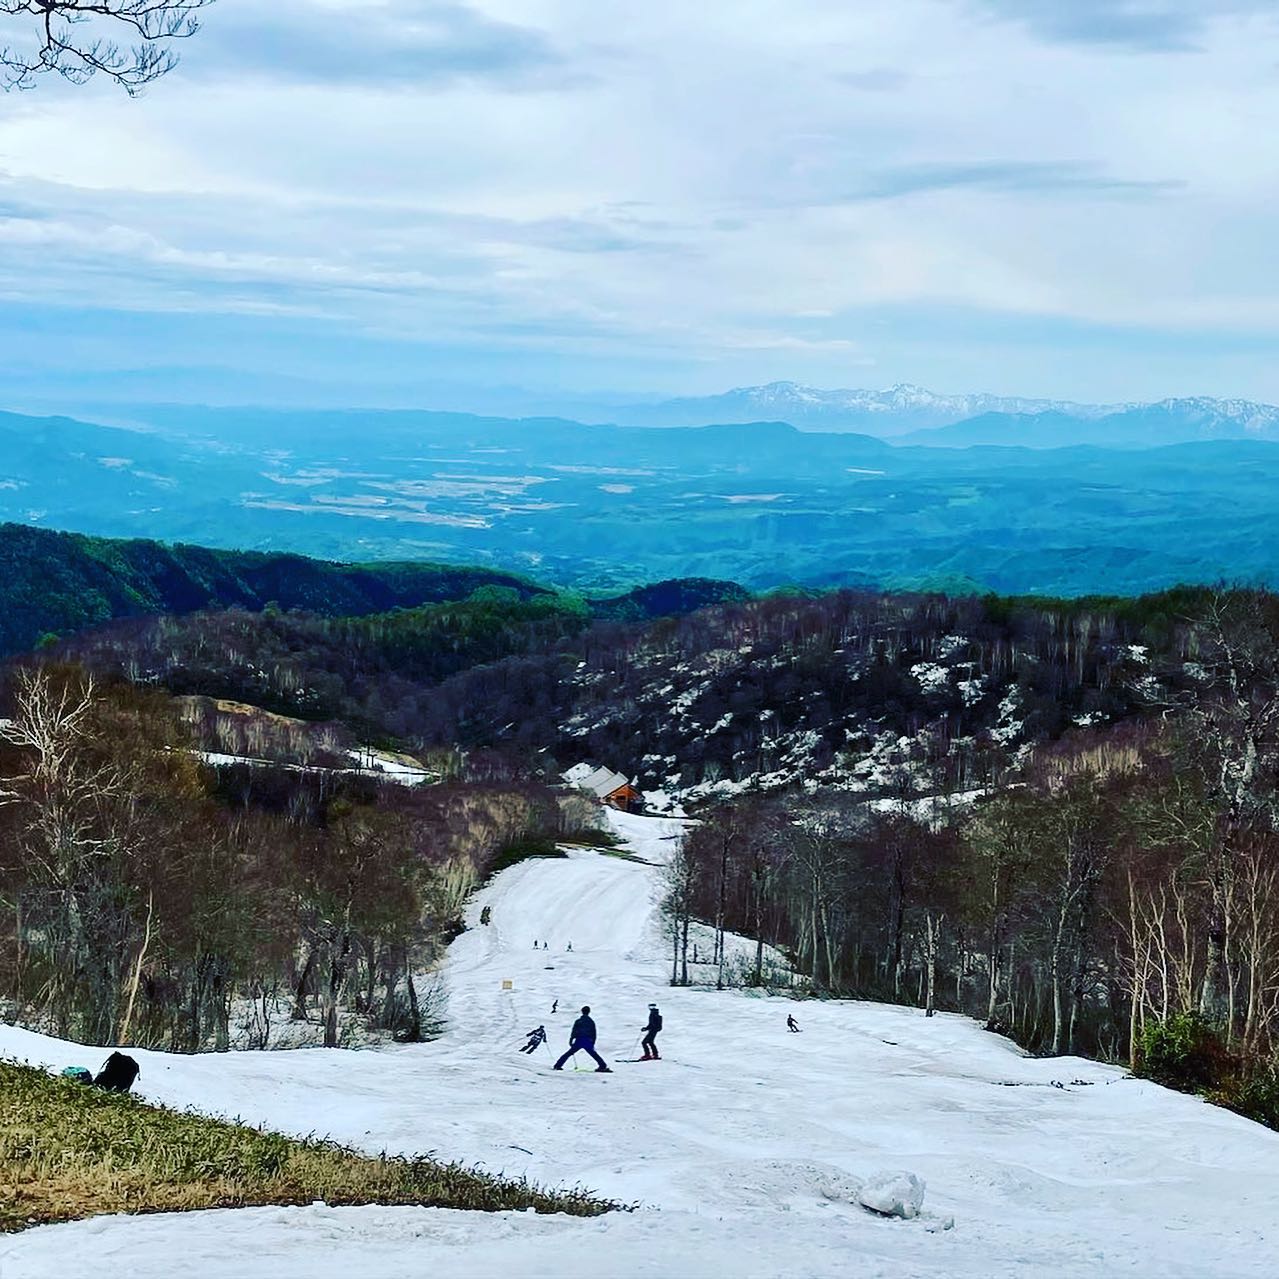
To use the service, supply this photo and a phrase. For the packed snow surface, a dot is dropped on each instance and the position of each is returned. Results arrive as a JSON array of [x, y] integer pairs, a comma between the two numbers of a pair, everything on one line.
[[747, 1147]]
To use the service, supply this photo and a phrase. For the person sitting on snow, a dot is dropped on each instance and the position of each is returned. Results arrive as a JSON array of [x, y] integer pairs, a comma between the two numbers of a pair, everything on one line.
[[582, 1039]]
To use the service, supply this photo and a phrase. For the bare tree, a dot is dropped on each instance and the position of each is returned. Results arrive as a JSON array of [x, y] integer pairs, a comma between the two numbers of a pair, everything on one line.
[[128, 41]]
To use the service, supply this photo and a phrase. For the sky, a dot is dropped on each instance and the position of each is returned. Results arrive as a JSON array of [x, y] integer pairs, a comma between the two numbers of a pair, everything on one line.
[[539, 203]]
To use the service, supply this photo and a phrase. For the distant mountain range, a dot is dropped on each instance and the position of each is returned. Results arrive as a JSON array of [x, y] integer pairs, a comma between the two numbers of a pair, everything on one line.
[[606, 508], [895, 411], [911, 414]]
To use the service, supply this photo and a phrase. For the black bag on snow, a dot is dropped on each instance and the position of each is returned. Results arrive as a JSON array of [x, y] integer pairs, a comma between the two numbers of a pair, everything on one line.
[[118, 1074]]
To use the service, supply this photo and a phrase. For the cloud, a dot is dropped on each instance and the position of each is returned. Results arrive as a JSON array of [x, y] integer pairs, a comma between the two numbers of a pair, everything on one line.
[[1148, 26], [750, 191], [413, 44], [874, 80], [1006, 177]]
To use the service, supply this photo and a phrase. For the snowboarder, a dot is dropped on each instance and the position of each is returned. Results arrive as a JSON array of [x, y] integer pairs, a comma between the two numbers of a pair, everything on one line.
[[582, 1039], [536, 1038], [792, 1024], [650, 1034]]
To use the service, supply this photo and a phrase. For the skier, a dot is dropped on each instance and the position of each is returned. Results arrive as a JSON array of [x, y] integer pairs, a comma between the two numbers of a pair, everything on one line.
[[582, 1039], [555, 1006], [650, 1034], [536, 1038], [792, 1024], [570, 945]]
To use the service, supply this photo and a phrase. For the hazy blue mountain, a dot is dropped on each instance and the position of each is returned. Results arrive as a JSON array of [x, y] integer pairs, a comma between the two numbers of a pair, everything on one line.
[[1185, 421]]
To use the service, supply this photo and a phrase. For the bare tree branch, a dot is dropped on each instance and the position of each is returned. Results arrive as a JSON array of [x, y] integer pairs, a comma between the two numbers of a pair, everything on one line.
[[77, 39]]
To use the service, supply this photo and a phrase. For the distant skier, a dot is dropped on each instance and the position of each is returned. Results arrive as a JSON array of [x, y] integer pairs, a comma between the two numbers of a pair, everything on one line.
[[536, 1038], [537, 945], [546, 945], [555, 1006], [792, 1024], [570, 946], [582, 1039], [650, 1034]]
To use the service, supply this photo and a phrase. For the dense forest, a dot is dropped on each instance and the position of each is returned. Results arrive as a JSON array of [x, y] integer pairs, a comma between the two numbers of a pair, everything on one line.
[[60, 584], [1058, 816], [840, 688]]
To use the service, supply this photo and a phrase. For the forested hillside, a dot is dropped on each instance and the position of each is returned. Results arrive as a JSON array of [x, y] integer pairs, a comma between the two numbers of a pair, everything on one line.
[[843, 689], [60, 583]]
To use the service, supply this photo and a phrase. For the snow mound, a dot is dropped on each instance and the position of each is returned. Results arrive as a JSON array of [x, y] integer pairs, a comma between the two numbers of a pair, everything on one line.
[[894, 1194]]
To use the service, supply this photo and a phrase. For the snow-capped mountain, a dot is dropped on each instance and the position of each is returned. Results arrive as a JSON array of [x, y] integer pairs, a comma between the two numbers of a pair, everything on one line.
[[907, 408], [900, 408]]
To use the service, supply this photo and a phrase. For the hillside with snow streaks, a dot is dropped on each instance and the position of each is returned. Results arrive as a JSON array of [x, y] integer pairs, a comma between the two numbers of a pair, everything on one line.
[[745, 1146]]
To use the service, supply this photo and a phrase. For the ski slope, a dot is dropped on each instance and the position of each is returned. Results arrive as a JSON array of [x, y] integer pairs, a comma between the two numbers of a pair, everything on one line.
[[745, 1146]]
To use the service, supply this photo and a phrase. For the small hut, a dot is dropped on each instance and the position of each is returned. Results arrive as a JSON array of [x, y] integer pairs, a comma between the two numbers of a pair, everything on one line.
[[607, 786]]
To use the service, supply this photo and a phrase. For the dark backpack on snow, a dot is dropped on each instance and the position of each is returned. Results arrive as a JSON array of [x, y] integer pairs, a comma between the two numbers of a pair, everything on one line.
[[118, 1074]]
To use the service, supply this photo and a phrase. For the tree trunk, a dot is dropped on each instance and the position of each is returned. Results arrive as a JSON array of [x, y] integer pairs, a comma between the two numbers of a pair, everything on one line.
[[299, 996], [1058, 992], [930, 961], [126, 1022], [333, 993], [415, 1010]]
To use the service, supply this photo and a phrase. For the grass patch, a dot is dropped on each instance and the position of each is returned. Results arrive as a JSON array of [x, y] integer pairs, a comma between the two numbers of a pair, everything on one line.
[[69, 1151], [626, 855], [521, 851], [594, 839]]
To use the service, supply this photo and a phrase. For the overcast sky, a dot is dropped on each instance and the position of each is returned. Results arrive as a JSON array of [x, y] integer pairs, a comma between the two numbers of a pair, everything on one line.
[[365, 201]]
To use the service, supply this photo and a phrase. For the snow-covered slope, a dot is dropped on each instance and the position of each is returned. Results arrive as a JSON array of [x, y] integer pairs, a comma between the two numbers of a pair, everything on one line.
[[745, 1144]]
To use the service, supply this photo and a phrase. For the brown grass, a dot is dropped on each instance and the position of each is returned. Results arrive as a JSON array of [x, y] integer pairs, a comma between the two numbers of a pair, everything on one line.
[[68, 1151]]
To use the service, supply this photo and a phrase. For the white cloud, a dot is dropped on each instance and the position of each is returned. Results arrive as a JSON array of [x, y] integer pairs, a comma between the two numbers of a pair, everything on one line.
[[750, 184]]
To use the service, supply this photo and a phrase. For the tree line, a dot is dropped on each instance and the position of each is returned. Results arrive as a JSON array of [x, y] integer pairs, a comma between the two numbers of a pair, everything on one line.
[[149, 899]]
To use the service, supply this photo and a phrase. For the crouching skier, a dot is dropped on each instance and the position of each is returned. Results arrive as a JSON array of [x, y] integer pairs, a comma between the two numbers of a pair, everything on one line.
[[582, 1039], [536, 1038], [649, 1042]]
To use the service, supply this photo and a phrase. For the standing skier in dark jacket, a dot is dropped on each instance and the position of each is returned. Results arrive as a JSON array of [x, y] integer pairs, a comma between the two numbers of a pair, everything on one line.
[[582, 1039], [650, 1034]]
